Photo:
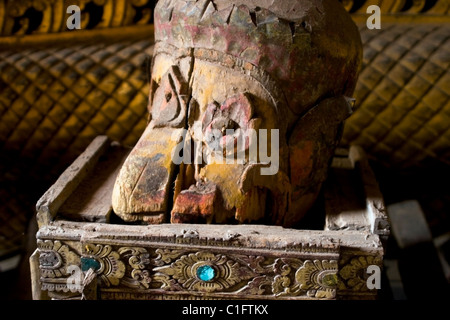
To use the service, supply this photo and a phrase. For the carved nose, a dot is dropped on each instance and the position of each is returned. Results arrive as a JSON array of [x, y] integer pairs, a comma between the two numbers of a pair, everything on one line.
[[145, 182], [144, 186]]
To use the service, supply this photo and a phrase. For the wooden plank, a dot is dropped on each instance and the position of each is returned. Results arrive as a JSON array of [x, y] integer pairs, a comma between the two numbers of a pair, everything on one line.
[[252, 237], [345, 201], [91, 201], [49, 204], [353, 200], [37, 293], [376, 210]]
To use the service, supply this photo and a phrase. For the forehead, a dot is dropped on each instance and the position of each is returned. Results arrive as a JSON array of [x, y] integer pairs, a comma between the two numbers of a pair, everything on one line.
[[209, 81]]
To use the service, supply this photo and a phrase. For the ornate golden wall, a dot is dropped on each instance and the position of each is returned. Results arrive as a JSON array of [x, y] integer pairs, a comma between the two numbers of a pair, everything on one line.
[[403, 113], [20, 17], [403, 93], [59, 89]]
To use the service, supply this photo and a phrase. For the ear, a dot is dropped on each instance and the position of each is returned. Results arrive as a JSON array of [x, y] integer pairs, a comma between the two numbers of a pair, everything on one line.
[[169, 100]]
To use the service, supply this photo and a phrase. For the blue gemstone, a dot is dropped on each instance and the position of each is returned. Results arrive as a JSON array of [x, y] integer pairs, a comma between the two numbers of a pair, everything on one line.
[[89, 263], [206, 273]]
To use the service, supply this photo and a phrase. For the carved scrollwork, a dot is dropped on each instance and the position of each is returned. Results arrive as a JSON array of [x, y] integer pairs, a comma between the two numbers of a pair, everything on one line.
[[165, 256], [137, 275], [18, 8], [319, 278], [54, 258], [55, 262], [244, 275], [128, 266], [180, 270], [110, 268], [17, 20], [282, 283], [225, 272], [354, 274]]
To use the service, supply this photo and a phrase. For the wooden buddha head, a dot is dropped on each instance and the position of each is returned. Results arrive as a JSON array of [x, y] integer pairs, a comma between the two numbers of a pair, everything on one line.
[[247, 103]]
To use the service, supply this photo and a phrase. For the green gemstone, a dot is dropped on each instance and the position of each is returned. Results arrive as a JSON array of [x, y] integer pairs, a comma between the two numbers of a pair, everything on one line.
[[330, 280], [89, 263], [206, 273]]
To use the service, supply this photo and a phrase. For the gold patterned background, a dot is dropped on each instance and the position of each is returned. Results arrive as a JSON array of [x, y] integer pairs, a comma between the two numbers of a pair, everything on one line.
[[403, 92]]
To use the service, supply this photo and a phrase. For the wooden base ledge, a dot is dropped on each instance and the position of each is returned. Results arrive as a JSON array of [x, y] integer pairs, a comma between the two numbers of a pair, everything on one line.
[[84, 256]]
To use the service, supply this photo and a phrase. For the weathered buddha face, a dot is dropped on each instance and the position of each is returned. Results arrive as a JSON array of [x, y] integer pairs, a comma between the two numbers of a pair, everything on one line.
[[231, 139], [210, 153]]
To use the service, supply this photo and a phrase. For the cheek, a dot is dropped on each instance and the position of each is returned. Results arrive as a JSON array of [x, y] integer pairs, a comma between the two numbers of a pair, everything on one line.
[[234, 113], [301, 161], [229, 122]]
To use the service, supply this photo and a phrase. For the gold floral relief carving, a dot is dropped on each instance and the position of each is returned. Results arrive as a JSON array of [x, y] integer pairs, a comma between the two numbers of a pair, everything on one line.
[[137, 275], [354, 274], [225, 272], [208, 272], [125, 266], [245, 275], [54, 258], [319, 278], [110, 269]]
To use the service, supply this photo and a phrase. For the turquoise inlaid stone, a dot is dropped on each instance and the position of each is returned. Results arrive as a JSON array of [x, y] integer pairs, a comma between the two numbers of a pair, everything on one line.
[[206, 273], [89, 263], [330, 280]]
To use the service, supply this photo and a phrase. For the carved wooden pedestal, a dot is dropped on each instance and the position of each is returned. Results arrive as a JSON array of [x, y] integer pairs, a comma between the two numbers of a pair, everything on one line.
[[85, 251]]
